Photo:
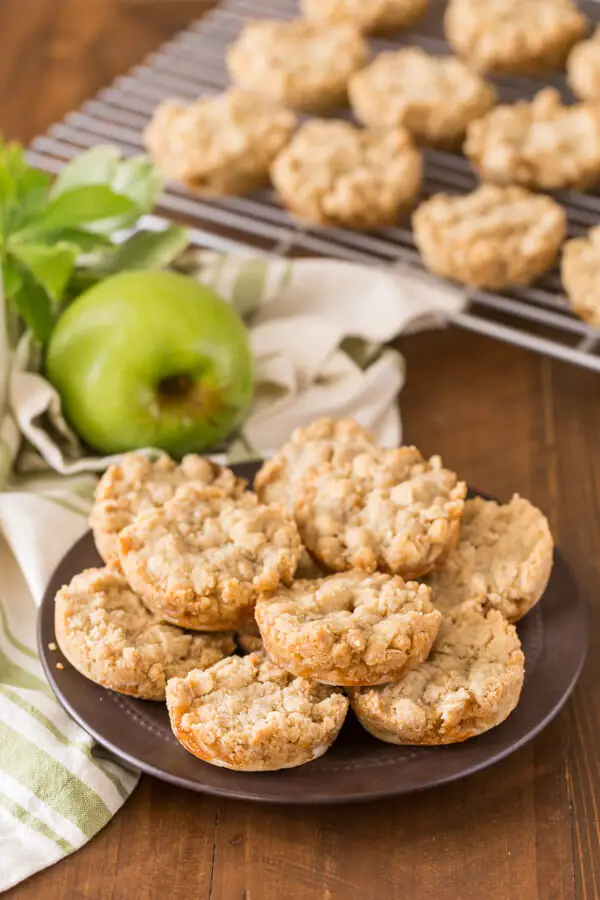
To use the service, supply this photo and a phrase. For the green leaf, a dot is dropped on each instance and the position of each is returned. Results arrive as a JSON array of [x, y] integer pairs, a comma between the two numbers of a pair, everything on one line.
[[11, 280], [23, 190], [51, 266], [86, 241], [34, 306], [146, 250], [95, 166], [84, 205], [140, 180]]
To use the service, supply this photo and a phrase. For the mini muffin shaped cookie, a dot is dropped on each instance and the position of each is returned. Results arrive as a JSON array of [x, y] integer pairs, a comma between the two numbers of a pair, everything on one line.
[[382, 509], [359, 506], [371, 16], [502, 561], [301, 64], [412, 88], [520, 36], [583, 68], [219, 145], [350, 629], [496, 237], [540, 144], [471, 682], [580, 272], [201, 559], [335, 174], [108, 635], [250, 715], [137, 484], [325, 441]]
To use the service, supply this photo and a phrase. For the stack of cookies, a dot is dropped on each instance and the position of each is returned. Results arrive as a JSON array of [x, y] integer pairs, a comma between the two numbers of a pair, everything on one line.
[[330, 173], [352, 576]]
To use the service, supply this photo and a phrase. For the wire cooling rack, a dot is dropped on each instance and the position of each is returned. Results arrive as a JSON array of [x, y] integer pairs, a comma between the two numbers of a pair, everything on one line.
[[193, 64]]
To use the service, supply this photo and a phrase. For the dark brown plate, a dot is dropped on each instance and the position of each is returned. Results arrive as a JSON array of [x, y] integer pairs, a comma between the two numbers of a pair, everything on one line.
[[358, 767]]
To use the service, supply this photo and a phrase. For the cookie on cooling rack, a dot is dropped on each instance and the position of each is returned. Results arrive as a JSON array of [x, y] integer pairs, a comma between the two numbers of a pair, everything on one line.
[[514, 36], [471, 682], [108, 635], [349, 629], [370, 16], [247, 713], [335, 174], [540, 144], [580, 272], [360, 506], [495, 237], [410, 88], [200, 560], [301, 64], [583, 68], [219, 145], [502, 561], [138, 483]]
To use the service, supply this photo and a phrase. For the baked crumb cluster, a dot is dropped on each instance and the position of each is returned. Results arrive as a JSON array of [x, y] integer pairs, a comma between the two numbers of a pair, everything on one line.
[[251, 613]]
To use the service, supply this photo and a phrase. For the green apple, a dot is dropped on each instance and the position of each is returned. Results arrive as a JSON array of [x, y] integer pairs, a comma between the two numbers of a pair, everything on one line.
[[151, 359]]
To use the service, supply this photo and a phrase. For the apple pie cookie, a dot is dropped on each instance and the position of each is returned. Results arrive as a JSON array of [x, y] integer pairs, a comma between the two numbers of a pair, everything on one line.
[[335, 174], [200, 560], [581, 275], [324, 442], [583, 68], [219, 145], [248, 714], [370, 16], [496, 237], [410, 88], [541, 144], [138, 483], [301, 64], [520, 36], [471, 682], [360, 506], [108, 635], [502, 561], [349, 629]]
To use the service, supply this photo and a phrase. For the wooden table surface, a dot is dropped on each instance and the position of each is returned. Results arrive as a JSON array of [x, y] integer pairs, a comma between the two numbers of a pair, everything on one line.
[[507, 420]]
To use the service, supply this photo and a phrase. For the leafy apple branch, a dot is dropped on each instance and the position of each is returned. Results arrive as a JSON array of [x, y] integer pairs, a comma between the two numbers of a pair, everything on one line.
[[58, 237]]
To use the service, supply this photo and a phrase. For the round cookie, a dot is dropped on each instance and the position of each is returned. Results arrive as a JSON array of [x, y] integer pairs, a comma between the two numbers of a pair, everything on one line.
[[200, 560], [108, 635], [471, 682], [335, 174], [350, 629], [303, 65], [495, 237], [359, 506], [137, 484], [502, 561], [325, 441], [219, 145], [370, 16], [410, 88], [580, 271], [583, 68], [513, 36], [248, 714], [541, 144]]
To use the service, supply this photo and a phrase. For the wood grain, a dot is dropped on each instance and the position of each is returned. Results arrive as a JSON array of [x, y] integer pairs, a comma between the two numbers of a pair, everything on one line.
[[508, 421]]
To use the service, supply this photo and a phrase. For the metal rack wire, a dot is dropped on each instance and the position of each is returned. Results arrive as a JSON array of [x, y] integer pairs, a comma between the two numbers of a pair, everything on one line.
[[192, 64]]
